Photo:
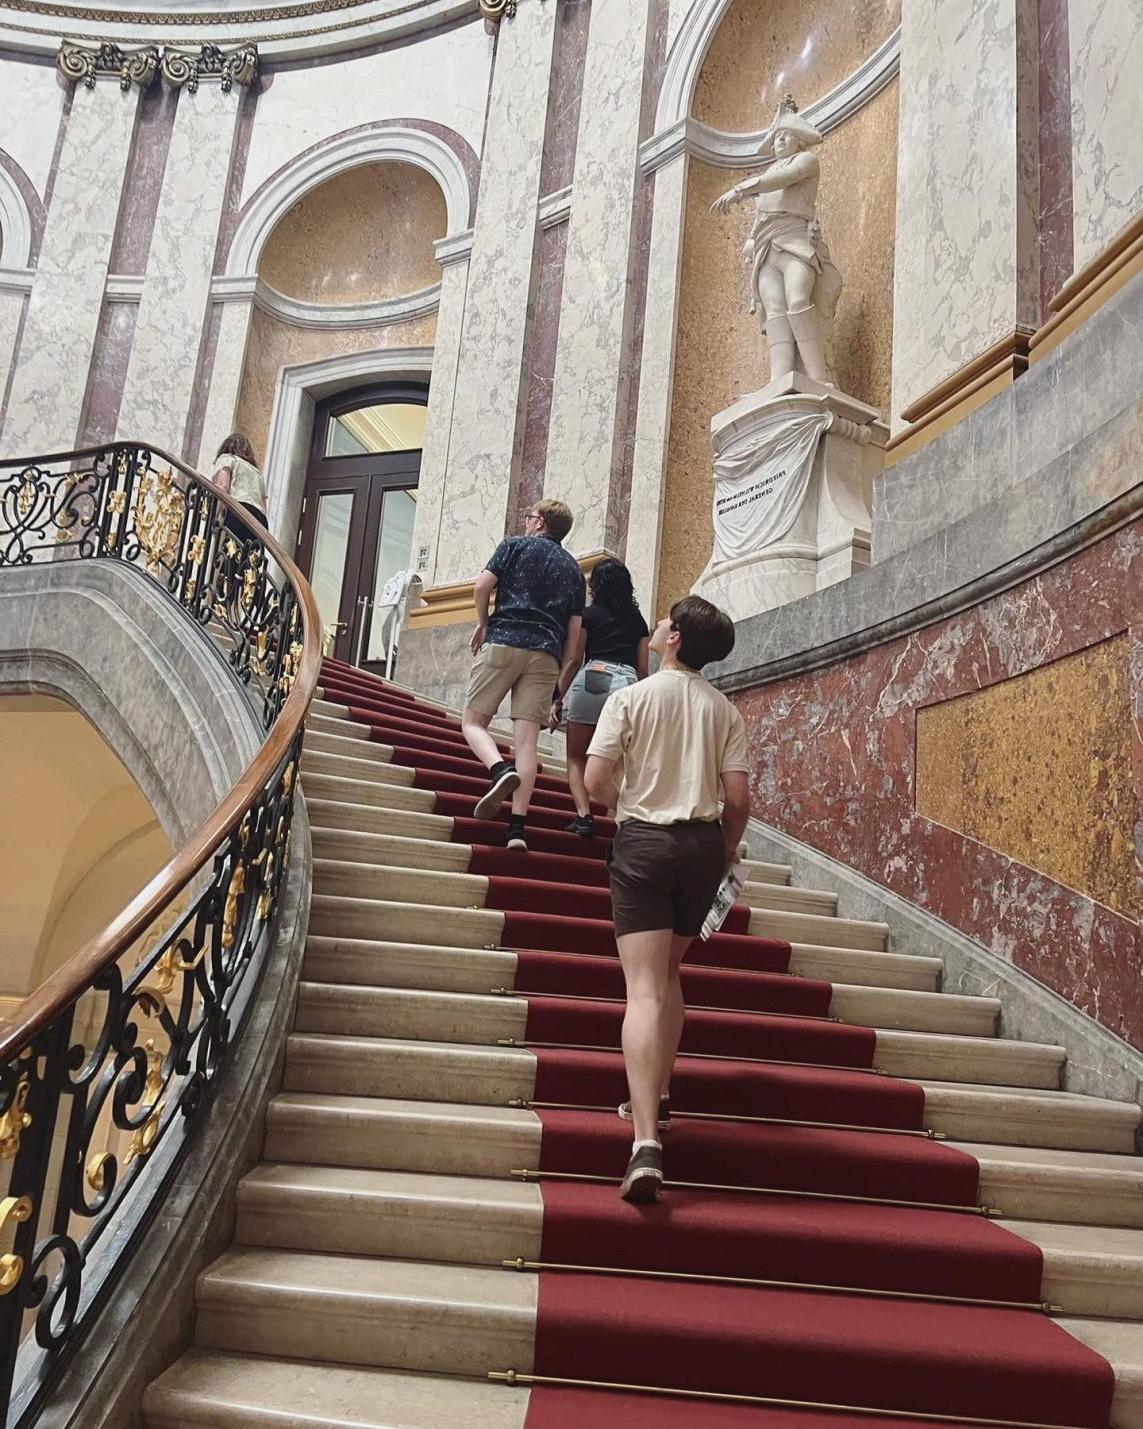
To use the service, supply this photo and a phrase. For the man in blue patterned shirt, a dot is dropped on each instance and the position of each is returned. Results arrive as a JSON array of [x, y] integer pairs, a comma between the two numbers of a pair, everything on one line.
[[520, 649]]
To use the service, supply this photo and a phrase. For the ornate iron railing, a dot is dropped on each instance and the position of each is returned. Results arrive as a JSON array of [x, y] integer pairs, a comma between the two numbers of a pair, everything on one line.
[[109, 1065]]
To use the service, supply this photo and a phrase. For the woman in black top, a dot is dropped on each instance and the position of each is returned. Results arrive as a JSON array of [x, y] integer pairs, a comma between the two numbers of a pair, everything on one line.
[[611, 655]]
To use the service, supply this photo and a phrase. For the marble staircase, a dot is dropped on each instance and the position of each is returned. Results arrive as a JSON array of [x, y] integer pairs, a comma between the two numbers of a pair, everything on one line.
[[366, 1285]]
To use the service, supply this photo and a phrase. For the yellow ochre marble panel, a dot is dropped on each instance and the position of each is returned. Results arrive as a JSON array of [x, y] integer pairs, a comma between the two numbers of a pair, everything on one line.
[[720, 352], [1039, 768], [762, 52], [274, 345], [364, 235]]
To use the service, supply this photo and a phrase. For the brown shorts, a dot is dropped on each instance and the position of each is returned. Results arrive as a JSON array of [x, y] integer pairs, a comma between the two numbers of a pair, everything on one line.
[[665, 875], [531, 675]]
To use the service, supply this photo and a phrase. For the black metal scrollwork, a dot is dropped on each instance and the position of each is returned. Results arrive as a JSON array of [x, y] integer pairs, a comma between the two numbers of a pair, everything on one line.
[[95, 1111]]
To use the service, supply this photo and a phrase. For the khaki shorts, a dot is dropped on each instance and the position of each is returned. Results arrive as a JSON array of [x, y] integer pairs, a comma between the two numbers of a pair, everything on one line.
[[530, 674], [665, 875]]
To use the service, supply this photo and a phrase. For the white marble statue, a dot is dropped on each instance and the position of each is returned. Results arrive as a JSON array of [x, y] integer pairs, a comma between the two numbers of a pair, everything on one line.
[[792, 279]]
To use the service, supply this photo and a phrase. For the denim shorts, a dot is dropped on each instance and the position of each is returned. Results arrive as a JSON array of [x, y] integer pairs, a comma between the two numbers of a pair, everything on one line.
[[589, 691]]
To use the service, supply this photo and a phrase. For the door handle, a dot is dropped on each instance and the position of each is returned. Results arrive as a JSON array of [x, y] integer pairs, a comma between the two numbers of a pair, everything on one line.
[[364, 603]]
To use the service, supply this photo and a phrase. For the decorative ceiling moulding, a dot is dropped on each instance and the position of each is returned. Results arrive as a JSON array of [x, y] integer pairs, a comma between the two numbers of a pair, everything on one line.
[[456, 248], [339, 317], [336, 156], [180, 68], [281, 32], [684, 134]]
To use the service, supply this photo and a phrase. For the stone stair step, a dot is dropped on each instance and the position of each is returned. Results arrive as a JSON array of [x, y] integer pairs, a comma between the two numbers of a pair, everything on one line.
[[412, 965], [366, 768], [865, 968], [397, 1314], [445, 1016], [334, 787], [211, 1389], [1089, 1270], [334, 916], [454, 1071], [320, 741]]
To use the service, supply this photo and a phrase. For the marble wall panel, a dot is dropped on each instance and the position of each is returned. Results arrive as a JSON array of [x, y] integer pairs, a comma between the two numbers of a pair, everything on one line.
[[1106, 42], [1054, 101], [143, 186], [719, 352], [584, 437], [962, 245], [46, 397], [762, 52], [12, 308], [487, 422], [442, 76], [835, 764], [224, 380], [109, 360], [541, 362], [363, 235], [438, 418], [565, 95], [168, 332], [273, 345], [1039, 768], [32, 103]]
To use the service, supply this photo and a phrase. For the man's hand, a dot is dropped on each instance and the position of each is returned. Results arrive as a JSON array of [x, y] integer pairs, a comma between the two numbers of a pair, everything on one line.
[[556, 714], [478, 636]]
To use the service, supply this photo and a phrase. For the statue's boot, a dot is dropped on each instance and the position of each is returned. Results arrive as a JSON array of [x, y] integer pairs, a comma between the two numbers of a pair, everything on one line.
[[780, 346], [807, 330]]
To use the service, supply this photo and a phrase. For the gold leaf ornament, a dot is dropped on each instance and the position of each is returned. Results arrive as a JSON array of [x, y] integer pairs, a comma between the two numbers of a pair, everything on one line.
[[159, 512]]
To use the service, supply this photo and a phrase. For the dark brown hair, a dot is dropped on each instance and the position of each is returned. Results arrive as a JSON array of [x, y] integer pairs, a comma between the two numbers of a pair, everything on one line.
[[707, 632], [238, 444], [557, 518]]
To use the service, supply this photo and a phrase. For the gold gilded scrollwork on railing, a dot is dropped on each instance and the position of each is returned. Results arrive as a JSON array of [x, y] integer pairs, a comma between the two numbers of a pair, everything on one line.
[[14, 1210], [497, 9], [290, 665], [159, 512], [15, 1121], [230, 910], [145, 1136]]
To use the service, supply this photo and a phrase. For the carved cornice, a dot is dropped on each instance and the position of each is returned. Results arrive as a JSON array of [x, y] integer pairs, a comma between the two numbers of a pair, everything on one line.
[[180, 68], [86, 63], [186, 68]]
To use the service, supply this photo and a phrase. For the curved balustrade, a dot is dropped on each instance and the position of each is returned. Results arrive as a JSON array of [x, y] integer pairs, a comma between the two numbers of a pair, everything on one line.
[[92, 1128]]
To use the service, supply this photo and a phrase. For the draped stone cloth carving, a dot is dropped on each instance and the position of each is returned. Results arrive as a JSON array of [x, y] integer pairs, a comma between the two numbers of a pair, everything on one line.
[[760, 480]]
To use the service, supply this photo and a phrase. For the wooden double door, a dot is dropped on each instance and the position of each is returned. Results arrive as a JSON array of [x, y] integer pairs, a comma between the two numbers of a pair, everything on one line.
[[360, 503]]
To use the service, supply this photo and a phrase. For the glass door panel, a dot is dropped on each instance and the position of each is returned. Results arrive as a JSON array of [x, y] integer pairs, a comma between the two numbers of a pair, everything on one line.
[[330, 548], [394, 548]]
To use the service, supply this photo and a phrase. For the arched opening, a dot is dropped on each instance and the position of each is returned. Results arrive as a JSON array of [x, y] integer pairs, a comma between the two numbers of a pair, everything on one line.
[[358, 511]]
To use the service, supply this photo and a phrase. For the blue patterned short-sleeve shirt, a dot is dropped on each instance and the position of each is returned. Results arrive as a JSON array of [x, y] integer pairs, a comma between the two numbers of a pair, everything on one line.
[[539, 588]]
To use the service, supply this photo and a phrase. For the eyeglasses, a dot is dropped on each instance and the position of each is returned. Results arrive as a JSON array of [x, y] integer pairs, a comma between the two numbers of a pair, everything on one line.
[[533, 516]]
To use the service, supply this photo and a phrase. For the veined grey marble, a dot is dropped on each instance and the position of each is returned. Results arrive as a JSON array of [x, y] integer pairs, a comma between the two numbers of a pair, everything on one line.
[[587, 411], [1060, 464], [101, 635], [486, 428], [164, 355], [962, 277], [47, 391], [1099, 1063], [225, 381]]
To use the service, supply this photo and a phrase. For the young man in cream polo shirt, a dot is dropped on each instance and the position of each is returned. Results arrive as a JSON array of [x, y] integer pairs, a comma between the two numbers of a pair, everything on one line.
[[663, 752]]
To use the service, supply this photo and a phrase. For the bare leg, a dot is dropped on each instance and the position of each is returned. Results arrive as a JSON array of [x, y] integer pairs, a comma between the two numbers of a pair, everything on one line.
[[474, 726], [674, 1011], [646, 961], [579, 737], [526, 734]]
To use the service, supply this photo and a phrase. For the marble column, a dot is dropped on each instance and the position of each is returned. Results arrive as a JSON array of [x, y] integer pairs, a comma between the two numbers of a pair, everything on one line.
[[173, 308], [225, 379], [1106, 43], [656, 381], [454, 258], [588, 393], [488, 411], [50, 379], [965, 271]]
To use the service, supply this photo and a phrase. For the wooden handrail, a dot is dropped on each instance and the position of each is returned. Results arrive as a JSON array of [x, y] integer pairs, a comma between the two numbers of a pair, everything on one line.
[[70, 981]]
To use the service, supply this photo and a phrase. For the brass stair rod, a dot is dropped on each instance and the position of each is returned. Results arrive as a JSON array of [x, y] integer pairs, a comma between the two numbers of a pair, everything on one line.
[[637, 1272], [695, 1007], [704, 1056], [512, 1377], [925, 1134]]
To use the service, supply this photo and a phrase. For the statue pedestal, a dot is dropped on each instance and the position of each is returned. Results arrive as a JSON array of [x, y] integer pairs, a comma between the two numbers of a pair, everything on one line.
[[793, 472]]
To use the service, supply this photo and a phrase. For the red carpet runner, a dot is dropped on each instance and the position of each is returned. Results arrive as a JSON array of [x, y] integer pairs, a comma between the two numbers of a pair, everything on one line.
[[825, 1152]]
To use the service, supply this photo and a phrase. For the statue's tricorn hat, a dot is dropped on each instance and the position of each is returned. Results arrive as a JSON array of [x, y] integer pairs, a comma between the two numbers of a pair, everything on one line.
[[802, 130]]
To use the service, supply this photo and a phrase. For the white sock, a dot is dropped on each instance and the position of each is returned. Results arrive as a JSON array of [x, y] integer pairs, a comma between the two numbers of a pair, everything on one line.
[[639, 1144]]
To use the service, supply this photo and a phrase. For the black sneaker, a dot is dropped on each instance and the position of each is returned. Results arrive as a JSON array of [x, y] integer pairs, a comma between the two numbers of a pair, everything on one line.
[[504, 781], [584, 825], [664, 1113], [643, 1182], [516, 836]]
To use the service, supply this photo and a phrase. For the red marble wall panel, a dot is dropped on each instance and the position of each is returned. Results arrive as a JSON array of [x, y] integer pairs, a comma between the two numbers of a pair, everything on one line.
[[834, 756]]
